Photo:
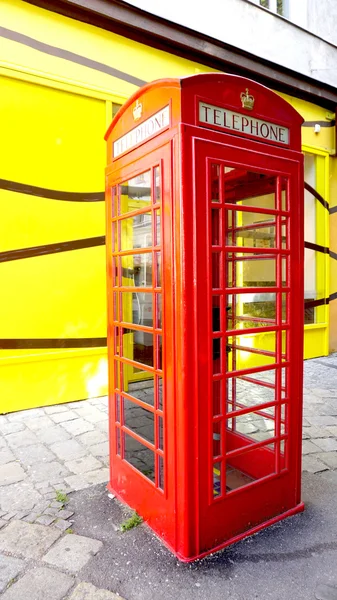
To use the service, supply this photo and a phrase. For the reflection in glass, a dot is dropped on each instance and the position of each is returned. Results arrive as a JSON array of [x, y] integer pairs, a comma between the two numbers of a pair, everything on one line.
[[216, 273], [139, 456], [139, 420], [158, 227], [142, 345], [157, 187], [142, 390], [135, 193], [250, 189], [136, 270], [158, 269], [159, 311], [136, 232], [137, 308], [251, 310]]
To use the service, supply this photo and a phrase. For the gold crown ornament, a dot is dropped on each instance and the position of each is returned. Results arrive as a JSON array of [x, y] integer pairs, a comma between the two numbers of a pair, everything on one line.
[[247, 100], [137, 111]]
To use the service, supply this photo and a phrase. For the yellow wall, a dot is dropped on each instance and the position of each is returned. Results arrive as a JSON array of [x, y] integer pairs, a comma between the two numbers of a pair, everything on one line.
[[58, 80]]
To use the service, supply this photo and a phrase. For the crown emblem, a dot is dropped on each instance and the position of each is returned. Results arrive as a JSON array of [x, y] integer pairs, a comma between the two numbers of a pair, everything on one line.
[[137, 111], [247, 100]]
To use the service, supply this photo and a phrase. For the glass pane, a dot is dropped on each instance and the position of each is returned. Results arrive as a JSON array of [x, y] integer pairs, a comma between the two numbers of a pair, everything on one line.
[[215, 186], [117, 375], [216, 313], [118, 408], [118, 441], [158, 269], [250, 466], [140, 420], [250, 393], [135, 193], [215, 215], [159, 311], [236, 479], [253, 426], [217, 387], [250, 310], [157, 186], [309, 199], [159, 352], [142, 390], [136, 232], [216, 439], [252, 350], [160, 433], [250, 189], [216, 270], [254, 230], [160, 472], [252, 271], [136, 270], [139, 456], [137, 308], [158, 226], [217, 479], [160, 392], [138, 346]]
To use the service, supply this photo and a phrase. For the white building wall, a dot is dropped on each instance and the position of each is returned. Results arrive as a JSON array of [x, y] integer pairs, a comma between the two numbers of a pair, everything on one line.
[[243, 24]]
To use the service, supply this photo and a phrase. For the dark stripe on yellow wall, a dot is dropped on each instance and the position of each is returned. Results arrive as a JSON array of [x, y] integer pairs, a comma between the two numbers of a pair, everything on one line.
[[333, 296], [33, 190], [316, 247], [51, 248], [333, 255], [321, 123], [34, 343], [20, 38], [333, 210], [318, 196]]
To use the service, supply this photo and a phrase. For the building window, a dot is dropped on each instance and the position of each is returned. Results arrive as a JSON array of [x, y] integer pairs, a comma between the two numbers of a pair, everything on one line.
[[279, 7]]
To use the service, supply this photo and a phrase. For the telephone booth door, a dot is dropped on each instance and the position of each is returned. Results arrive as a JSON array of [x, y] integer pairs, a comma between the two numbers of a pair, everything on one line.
[[253, 334]]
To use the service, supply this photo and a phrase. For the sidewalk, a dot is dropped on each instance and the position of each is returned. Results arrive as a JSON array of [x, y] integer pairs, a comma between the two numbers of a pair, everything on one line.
[[60, 531]]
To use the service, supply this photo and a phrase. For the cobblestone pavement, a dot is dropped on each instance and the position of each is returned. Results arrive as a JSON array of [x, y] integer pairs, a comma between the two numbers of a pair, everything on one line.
[[47, 453]]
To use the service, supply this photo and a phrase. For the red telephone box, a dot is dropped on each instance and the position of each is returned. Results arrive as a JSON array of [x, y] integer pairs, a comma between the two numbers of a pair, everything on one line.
[[204, 196]]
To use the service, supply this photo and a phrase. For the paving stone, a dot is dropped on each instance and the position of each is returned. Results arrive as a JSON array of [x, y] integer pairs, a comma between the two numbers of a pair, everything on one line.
[[21, 438], [77, 482], [312, 464], [91, 413], [100, 449], [325, 592], [38, 423], [332, 430], [39, 584], [68, 450], [6, 456], [98, 476], [78, 426], [309, 448], [65, 514], [45, 519], [54, 434], [9, 515], [92, 438], [7, 428], [57, 408], [83, 465], [72, 552], [48, 472], [62, 524], [23, 415], [87, 591], [26, 539], [327, 444], [329, 458], [31, 517], [3, 523], [19, 496], [9, 569], [11, 473], [34, 453], [69, 415], [313, 432], [103, 426], [321, 421]]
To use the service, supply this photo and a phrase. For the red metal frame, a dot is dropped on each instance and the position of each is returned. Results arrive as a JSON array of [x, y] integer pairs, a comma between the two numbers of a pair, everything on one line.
[[222, 479]]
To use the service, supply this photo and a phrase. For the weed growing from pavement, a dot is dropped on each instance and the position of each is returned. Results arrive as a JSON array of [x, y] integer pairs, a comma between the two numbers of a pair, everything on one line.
[[61, 497], [132, 522]]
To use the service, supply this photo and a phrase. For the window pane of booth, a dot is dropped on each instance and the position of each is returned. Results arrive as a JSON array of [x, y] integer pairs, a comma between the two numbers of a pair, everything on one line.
[[135, 193], [138, 346], [250, 392], [140, 420], [137, 308], [249, 188], [136, 270], [250, 310], [136, 232], [139, 456], [142, 390]]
